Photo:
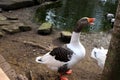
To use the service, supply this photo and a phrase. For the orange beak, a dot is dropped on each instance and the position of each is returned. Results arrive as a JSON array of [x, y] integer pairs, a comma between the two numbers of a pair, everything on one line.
[[91, 20]]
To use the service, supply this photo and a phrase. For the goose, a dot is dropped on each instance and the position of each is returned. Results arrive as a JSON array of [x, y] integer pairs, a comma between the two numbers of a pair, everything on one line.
[[99, 54], [112, 22], [61, 59], [110, 18]]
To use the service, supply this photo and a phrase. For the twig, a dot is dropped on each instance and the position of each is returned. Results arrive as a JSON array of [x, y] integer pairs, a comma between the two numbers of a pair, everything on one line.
[[36, 45]]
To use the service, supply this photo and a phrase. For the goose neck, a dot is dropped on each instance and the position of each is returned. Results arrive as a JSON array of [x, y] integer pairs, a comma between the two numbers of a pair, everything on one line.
[[75, 37]]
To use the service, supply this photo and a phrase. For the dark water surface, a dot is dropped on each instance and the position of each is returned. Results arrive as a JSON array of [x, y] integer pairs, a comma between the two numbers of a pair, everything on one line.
[[65, 17]]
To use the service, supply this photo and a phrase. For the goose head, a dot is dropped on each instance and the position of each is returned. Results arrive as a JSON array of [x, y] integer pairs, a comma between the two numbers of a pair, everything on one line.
[[85, 21]]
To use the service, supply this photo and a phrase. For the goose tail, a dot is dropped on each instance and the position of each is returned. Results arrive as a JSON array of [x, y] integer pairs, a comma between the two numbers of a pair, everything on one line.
[[44, 59], [39, 59]]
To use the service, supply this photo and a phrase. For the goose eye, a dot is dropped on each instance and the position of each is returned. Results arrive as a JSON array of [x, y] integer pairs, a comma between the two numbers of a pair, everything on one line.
[[95, 53]]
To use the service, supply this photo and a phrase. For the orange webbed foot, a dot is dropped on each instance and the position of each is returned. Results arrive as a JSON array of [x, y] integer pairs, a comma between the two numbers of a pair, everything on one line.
[[63, 78], [69, 72]]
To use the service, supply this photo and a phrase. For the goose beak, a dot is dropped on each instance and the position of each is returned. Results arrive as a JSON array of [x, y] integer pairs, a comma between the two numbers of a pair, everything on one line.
[[91, 20]]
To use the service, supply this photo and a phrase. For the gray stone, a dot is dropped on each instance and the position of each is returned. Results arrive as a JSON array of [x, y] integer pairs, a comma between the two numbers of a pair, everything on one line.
[[41, 1], [11, 29], [5, 22], [2, 17], [25, 28], [65, 36], [45, 28], [15, 21], [15, 4], [1, 34], [11, 17], [0, 10]]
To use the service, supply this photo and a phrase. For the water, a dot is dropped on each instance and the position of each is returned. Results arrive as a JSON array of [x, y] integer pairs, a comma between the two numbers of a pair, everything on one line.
[[66, 16]]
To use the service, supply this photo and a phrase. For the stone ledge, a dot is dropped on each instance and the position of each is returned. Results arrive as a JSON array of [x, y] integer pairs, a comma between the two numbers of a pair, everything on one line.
[[45, 28], [11, 25], [15, 4], [65, 36]]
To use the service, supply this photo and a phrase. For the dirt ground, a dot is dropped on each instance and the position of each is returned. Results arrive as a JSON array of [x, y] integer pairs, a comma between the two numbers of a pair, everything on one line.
[[22, 56]]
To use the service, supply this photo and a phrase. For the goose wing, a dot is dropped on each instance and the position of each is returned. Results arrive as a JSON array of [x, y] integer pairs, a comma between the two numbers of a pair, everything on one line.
[[61, 54]]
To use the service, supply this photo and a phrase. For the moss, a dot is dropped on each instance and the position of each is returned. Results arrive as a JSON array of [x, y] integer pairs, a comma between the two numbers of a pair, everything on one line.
[[45, 28], [45, 25], [66, 33]]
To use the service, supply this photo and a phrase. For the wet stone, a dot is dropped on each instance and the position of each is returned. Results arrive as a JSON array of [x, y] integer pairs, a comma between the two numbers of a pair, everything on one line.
[[45, 28], [11, 29], [65, 36], [25, 28], [15, 4]]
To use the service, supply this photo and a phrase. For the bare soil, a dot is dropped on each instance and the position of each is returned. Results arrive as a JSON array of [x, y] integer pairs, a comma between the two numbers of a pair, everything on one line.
[[22, 56]]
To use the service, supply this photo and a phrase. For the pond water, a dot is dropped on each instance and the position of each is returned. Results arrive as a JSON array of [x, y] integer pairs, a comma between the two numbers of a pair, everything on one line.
[[65, 17]]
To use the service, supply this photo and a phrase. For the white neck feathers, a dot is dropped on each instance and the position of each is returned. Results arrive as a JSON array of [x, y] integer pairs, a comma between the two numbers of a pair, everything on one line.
[[75, 37]]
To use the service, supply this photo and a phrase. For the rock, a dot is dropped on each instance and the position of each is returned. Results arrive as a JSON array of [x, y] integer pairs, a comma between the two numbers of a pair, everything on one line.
[[2, 18], [1, 34], [25, 28], [49, 3], [65, 36], [45, 28], [15, 27], [15, 4], [41, 1], [6, 22], [15, 21], [11, 29], [9, 17], [0, 10], [38, 1]]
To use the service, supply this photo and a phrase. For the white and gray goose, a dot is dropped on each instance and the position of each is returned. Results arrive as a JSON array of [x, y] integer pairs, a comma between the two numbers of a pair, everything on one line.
[[99, 54], [61, 59]]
